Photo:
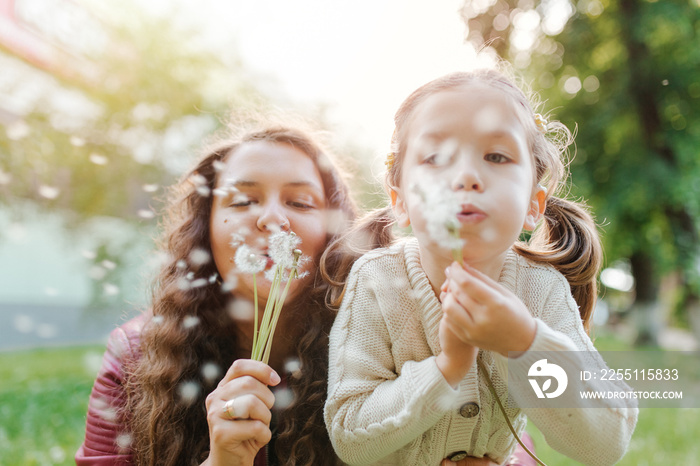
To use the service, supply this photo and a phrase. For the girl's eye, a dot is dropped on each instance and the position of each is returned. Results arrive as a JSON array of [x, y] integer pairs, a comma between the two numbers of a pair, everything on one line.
[[496, 158], [430, 159]]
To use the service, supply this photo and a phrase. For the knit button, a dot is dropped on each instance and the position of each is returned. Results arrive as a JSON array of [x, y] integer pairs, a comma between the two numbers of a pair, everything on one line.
[[468, 410], [457, 456]]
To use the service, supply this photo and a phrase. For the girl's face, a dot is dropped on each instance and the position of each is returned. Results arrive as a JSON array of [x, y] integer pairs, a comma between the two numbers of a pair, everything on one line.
[[470, 139], [277, 187]]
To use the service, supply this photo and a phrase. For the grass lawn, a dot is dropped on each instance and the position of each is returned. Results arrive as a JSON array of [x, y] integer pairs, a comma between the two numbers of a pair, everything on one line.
[[44, 393], [43, 400]]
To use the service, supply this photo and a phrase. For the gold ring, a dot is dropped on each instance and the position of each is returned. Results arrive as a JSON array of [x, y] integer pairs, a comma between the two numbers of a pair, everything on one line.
[[229, 410]]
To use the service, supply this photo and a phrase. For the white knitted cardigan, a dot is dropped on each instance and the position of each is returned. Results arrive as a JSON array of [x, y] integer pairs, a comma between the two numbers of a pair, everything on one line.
[[388, 401]]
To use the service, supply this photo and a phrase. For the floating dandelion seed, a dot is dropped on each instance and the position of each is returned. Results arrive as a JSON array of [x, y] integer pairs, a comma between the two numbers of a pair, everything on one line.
[[203, 191], [230, 284], [293, 366], [24, 323], [108, 264], [5, 178], [190, 276], [188, 391], [198, 180], [218, 165], [124, 441], [236, 240], [46, 331], [90, 255], [241, 309], [48, 192], [181, 264], [183, 284], [212, 278], [150, 188], [211, 371], [17, 130], [220, 192], [77, 141], [199, 257], [92, 362], [51, 291], [198, 283], [98, 159], [283, 398], [336, 221], [110, 289], [97, 273], [57, 454], [157, 320], [146, 214], [190, 321]]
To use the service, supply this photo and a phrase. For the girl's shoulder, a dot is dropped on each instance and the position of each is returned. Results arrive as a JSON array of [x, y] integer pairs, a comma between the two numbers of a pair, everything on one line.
[[521, 271], [394, 253]]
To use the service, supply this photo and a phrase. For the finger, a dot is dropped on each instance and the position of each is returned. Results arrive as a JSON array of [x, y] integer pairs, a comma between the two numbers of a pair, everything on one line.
[[246, 407], [454, 312], [259, 370], [473, 285], [246, 385], [241, 431]]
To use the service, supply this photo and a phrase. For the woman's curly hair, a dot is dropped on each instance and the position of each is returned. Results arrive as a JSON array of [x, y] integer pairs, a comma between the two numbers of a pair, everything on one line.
[[190, 340]]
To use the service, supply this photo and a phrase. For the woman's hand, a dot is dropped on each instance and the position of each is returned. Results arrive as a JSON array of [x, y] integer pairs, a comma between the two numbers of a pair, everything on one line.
[[236, 440], [484, 313]]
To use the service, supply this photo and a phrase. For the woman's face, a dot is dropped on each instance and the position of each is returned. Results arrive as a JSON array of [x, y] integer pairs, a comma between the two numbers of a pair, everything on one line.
[[277, 187]]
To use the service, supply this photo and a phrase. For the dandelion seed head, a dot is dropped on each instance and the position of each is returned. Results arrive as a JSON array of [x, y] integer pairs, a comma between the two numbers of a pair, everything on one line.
[[440, 208], [98, 159], [211, 372], [241, 309], [281, 248], [249, 262], [190, 322], [150, 188], [199, 256], [48, 192]]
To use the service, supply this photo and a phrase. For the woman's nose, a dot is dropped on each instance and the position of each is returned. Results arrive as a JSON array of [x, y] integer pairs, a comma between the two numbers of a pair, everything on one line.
[[272, 218]]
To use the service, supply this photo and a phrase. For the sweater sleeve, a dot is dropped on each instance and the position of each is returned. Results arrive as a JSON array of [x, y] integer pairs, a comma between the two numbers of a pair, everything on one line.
[[374, 408], [592, 435], [107, 442]]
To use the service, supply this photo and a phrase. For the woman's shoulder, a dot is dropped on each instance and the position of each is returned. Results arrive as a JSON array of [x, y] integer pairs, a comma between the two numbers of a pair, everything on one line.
[[124, 341]]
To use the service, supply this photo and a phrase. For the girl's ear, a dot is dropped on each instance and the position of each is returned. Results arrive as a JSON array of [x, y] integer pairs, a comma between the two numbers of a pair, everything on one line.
[[399, 207], [537, 206]]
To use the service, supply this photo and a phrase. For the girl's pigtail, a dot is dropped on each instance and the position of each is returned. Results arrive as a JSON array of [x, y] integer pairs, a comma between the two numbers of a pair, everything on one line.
[[370, 232], [569, 241]]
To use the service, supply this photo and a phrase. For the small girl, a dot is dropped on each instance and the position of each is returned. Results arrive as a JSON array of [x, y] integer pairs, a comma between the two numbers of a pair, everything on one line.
[[426, 323]]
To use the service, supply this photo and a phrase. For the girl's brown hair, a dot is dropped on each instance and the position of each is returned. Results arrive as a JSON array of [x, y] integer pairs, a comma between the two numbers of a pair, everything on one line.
[[191, 337], [567, 239]]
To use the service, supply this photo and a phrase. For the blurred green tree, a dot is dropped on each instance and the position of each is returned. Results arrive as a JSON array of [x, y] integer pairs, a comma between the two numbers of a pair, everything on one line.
[[99, 135], [627, 72]]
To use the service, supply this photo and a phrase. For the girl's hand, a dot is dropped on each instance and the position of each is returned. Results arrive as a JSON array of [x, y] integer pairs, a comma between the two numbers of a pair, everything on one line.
[[483, 313], [236, 441], [456, 357], [469, 461]]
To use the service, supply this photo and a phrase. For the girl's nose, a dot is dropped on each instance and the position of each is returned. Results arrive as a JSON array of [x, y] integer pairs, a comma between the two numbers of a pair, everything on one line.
[[467, 178], [272, 219]]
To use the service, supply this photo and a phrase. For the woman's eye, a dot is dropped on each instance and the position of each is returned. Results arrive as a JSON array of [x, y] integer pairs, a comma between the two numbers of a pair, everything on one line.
[[242, 201], [301, 205], [496, 158]]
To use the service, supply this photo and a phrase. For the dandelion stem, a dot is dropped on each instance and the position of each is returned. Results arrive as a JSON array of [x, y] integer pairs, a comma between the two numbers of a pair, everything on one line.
[[255, 321]]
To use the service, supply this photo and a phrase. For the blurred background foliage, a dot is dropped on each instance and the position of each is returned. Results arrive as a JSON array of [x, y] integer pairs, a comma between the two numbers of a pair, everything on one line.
[[626, 74]]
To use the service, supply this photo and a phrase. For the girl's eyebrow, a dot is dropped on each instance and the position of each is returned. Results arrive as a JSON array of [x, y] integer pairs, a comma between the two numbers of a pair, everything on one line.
[[252, 184]]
